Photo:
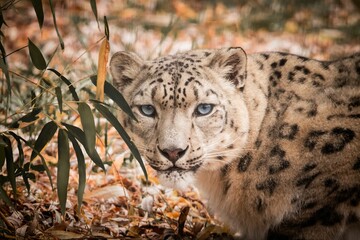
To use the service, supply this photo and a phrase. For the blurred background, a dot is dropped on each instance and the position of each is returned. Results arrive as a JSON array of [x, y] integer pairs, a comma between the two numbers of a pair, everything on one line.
[[321, 29], [120, 203]]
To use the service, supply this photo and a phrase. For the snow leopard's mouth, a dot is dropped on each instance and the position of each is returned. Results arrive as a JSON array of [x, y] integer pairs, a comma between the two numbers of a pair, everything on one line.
[[169, 169], [175, 177], [176, 169]]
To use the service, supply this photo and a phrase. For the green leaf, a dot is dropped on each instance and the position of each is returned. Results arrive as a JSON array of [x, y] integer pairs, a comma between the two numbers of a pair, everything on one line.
[[38, 168], [3, 179], [63, 168], [31, 176], [3, 52], [27, 166], [59, 97], [67, 81], [42, 160], [5, 197], [2, 20], [26, 181], [39, 11], [2, 151], [112, 119], [20, 149], [46, 170], [33, 98], [82, 170], [2, 156], [94, 9], [2, 142], [80, 136], [27, 118], [87, 121], [46, 134], [36, 56], [10, 166], [56, 28], [26, 176], [106, 143], [107, 31], [116, 96], [4, 67]]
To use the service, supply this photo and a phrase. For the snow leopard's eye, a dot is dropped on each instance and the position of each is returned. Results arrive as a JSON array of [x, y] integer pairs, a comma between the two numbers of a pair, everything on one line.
[[147, 110], [204, 109]]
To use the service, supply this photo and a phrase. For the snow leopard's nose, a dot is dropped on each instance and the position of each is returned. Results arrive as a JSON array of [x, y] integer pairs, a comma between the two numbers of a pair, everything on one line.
[[173, 154]]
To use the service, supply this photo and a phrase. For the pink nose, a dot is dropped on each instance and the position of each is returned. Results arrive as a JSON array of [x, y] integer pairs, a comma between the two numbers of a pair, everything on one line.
[[173, 154]]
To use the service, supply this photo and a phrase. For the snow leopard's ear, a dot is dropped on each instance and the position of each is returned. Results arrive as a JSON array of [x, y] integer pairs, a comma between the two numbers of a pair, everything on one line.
[[231, 63], [124, 67]]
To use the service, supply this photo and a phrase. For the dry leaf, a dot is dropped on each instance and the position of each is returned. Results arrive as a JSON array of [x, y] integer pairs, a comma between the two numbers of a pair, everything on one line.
[[184, 10], [106, 192], [101, 76]]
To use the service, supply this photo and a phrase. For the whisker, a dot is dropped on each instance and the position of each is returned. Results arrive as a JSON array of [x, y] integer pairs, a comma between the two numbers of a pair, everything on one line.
[[217, 152], [217, 141]]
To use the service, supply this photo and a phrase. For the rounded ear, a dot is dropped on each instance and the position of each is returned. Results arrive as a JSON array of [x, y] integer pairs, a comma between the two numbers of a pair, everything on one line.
[[231, 62], [124, 67]]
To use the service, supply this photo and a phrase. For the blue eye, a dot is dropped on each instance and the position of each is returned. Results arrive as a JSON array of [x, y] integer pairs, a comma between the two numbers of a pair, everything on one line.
[[204, 109], [147, 110]]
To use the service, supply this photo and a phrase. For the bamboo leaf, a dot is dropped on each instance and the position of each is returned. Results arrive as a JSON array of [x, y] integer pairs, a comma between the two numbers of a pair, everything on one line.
[[20, 149], [112, 119], [27, 166], [3, 52], [2, 154], [107, 31], [59, 97], [106, 139], [2, 142], [10, 167], [42, 161], [46, 134], [38, 168], [80, 136], [31, 176], [94, 9], [77, 133], [116, 96], [67, 82], [37, 4], [26, 176], [2, 20], [33, 98], [101, 76], [56, 28], [87, 121], [5, 70], [3, 145], [4, 67], [63, 168], [27, 119], [82, 170], [47, 170], [36, 56]]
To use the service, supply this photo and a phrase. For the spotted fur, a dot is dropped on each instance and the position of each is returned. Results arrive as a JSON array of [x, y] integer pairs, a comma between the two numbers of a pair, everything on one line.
[[277, 152]]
